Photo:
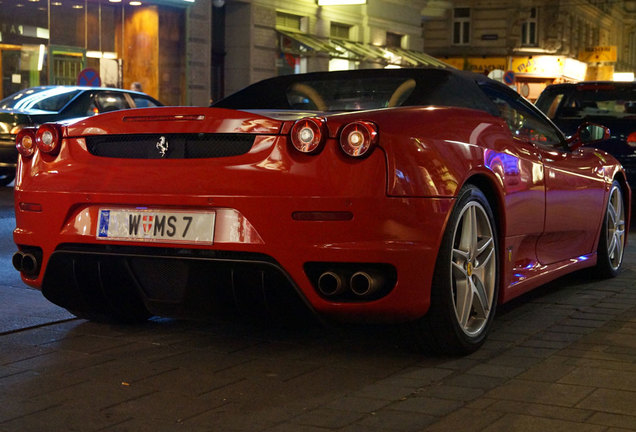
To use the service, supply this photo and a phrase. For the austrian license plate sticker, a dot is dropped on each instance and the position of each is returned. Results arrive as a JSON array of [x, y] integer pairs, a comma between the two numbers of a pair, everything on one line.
[[156, 225]]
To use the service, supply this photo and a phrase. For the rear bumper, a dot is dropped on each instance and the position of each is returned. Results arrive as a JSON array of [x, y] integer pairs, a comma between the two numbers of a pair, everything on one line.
[[260, 252], [172, 282]]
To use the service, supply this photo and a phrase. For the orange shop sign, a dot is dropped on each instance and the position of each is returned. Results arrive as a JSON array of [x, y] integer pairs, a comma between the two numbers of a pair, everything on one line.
[[599, 54], [544, 66], [477, 64]]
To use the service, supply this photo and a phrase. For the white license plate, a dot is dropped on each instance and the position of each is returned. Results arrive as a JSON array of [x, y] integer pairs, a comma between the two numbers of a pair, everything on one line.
[[172, 226]]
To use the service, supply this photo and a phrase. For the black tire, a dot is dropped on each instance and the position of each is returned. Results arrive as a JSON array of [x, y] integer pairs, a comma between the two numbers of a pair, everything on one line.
[[611, 244], [468, 263]]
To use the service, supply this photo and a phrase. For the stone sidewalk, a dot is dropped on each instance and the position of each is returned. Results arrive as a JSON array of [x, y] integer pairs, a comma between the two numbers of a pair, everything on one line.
[[560, 359]]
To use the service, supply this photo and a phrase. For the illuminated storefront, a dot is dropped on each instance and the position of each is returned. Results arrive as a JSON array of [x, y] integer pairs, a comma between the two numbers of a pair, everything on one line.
[[529, 75], [54, 41], [533, 73], [601, 60]]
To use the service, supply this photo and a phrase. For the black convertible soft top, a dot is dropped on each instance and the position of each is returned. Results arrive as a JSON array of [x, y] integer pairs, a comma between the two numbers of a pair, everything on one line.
[[364, 89]]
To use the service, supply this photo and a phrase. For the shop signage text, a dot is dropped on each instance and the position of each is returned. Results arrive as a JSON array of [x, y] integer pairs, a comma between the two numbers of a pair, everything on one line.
[[599, 54]]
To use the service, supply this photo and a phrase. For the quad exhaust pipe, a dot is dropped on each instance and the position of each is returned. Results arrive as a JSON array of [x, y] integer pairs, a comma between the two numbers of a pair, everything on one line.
[[330, 284], [360, 284], [26, 263], [364, 283]]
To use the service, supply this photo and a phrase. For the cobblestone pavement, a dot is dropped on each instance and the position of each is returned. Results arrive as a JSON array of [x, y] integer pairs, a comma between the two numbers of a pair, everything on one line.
[[560, 359]]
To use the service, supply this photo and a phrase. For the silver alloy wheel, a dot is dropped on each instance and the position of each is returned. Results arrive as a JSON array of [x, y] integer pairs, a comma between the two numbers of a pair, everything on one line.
[[615, 227], [473, 269]]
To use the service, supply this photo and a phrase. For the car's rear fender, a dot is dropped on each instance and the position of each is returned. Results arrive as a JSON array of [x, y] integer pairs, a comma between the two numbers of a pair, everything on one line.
[[431, 151]]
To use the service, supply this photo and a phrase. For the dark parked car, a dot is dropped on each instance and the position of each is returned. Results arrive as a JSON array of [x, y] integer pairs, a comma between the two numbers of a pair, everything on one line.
[[37, 105], [612, 104]]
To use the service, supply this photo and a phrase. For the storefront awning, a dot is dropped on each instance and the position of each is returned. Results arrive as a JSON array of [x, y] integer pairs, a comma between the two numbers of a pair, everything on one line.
[[416, 58], [356, 51], [361, 51], [314, 43]]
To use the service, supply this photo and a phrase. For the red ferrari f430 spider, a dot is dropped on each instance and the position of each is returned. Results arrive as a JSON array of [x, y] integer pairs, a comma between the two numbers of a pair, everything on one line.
[[426, 196]]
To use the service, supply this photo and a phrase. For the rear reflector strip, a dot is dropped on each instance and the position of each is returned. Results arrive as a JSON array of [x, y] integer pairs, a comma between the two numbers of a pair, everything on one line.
[[322, 215], [30, 207]]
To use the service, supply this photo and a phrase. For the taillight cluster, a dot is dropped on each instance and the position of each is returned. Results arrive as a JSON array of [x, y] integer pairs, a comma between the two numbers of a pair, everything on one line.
[[47, 138], [25, 142], [308, 134], [631, 139], [357, 139]]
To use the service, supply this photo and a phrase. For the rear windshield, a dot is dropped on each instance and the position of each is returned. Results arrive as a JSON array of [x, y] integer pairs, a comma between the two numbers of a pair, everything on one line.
[[352, 95], [585, 101], [359, 90]]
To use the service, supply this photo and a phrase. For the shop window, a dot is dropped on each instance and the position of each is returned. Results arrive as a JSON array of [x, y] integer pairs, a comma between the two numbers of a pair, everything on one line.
[[171, 46], [340, 31], [22, 66], [461, 26], [66, 64], [68, 24], [291, 58], [288, 64], [394, 40], [24, 35], [289, 21], [338, 64], [104, 24], [95, 34], [529, 29]]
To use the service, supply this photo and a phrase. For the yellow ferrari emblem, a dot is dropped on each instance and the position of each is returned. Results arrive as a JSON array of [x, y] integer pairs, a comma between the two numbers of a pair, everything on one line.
[[600, 156]]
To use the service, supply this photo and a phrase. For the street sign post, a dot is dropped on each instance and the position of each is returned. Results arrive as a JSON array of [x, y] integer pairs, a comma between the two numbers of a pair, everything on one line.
[[89, 77]]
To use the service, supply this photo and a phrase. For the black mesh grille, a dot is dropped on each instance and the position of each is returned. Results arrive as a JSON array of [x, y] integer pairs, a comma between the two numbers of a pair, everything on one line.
[[91, 279], [177, 146]]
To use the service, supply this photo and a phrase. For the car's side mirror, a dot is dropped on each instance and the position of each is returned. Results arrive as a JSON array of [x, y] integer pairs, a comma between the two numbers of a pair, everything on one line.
[[587, 133]]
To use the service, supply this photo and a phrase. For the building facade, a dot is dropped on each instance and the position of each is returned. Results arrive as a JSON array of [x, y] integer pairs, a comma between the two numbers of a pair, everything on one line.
[[265, 38], [185, 52], [533, 43], [119, 41]]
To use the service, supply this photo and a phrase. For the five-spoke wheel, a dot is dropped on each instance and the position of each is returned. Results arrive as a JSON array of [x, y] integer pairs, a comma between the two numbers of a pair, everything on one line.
[[611, 245], [465, 283], [473, 269]]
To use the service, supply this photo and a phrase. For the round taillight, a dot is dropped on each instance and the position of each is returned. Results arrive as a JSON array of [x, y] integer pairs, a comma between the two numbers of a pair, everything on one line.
[[25, 142], [308, 134], [358, 138], [48, 138], [631, 139]]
